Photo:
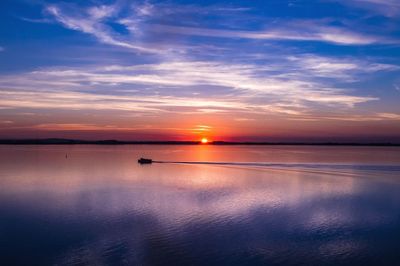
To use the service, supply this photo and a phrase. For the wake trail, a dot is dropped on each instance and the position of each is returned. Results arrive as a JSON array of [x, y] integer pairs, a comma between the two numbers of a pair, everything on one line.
[[332, 166]]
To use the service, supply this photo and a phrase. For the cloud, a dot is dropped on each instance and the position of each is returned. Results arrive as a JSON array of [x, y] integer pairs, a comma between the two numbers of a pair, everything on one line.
[[1, 49], [306, 32], [243, 119], [146, 21], [388, 8], [170, 86], [85, 127], [361, 118], [244, 91], [345, 69], [88, 101], [182, 76], [36, 20], [90, 21]]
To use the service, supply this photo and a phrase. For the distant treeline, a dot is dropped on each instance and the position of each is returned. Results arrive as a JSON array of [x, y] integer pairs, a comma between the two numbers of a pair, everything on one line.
[[54, 141]]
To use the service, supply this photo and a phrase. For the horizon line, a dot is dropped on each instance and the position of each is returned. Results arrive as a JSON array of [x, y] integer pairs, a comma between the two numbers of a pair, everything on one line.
[[66, 141]]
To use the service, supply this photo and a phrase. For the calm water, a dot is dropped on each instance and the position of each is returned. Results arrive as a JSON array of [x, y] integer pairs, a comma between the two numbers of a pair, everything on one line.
[[307, 206]]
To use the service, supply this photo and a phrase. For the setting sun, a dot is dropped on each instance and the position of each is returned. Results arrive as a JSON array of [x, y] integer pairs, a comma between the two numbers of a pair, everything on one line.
[[204, 140]]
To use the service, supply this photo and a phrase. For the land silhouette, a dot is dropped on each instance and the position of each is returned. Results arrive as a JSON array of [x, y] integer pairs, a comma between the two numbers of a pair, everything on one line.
[[61, 141]]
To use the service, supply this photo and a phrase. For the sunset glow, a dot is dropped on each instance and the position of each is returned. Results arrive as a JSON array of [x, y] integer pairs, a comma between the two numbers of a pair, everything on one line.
[[204, 140], [135, 70]]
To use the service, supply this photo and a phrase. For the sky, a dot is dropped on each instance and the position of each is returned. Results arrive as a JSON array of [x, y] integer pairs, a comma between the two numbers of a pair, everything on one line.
[[261, 70]]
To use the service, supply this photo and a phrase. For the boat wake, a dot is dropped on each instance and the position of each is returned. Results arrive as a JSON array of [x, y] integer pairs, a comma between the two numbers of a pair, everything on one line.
[[366, 167]]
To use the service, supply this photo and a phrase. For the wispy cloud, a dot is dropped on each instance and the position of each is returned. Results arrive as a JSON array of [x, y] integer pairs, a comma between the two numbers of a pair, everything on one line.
[[302, 31], [144, 20], [1, 49], [91, 21], [361, 117], [388, 8], [88, 101], [162, 106], [36, 20], [169, 86], [345, 69], [86, 127], [183, 76]]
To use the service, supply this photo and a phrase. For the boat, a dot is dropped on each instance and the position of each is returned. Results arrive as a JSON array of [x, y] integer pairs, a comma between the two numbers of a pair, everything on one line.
[[145, 161]]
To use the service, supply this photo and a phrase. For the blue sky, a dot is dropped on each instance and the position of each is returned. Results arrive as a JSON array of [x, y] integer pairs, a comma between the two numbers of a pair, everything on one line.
[[240, 70]]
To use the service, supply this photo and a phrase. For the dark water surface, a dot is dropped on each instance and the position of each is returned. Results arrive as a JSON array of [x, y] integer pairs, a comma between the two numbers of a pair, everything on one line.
[[281, 205]]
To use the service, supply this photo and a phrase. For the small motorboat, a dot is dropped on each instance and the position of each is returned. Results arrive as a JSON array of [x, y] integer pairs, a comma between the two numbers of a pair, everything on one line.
[[145, 161]]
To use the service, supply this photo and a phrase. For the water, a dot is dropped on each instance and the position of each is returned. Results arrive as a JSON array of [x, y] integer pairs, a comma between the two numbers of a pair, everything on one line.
[[276, 205]]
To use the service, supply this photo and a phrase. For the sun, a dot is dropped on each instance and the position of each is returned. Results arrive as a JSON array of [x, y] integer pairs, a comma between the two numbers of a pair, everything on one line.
[[204, 140]]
